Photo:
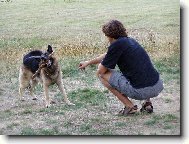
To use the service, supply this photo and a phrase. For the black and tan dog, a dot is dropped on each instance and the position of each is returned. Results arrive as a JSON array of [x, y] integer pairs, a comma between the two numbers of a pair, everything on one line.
[[38, 66]]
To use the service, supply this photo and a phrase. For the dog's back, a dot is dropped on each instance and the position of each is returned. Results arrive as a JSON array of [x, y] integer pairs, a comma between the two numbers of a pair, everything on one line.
[[32, 60]]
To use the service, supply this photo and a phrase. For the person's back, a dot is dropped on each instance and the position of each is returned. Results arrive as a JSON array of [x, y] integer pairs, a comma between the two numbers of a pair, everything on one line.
[[134, 63]]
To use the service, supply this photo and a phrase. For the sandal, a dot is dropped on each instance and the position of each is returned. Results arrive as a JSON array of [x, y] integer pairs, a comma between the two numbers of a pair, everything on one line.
[[127, 111], [147, 106]]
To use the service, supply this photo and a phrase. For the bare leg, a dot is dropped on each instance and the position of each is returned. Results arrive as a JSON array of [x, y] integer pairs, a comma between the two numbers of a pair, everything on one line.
[[124, 99], [148, 100]]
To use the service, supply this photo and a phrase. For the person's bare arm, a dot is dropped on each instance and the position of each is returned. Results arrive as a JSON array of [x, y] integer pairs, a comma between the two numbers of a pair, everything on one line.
[[96, 60]]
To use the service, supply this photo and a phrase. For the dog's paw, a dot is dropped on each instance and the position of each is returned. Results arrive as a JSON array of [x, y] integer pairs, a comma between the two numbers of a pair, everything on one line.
[[34, 98], [48, 105], [22, 99], [69, 103], [52, 102]]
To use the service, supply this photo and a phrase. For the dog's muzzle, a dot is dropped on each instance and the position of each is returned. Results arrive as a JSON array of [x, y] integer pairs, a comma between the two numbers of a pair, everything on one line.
[[49, 63]]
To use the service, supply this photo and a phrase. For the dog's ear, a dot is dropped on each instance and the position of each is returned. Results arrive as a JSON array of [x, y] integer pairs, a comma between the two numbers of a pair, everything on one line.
[[49, 50]]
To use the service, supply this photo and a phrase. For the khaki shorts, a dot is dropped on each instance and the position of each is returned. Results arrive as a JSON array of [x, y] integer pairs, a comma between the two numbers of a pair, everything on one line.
[[118, 81]]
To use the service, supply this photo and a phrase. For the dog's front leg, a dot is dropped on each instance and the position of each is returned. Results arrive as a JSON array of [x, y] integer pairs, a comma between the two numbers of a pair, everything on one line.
[[62, 90], [21, 89], [33, 84], [23, 83], [46, 93], [46, 84]]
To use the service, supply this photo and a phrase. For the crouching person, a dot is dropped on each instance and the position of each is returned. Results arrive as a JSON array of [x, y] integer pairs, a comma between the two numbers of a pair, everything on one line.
[[137, 78]]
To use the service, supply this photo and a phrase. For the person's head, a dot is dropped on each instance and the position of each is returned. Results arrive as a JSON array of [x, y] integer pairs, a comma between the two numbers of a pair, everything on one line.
[[114, 29]]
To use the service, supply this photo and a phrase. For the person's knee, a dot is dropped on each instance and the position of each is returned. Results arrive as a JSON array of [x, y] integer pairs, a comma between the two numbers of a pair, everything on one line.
[[105, 82], [104, 78], [99, 75]]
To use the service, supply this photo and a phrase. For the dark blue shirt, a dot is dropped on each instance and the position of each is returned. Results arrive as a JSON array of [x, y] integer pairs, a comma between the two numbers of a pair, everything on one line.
[[133, 62]]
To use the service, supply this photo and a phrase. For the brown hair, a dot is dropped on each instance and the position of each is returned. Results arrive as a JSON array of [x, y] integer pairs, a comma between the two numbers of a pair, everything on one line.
[[114, 29]]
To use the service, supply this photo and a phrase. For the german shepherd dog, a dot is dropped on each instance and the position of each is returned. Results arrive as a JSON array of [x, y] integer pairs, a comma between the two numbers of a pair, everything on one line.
[[41, 66]]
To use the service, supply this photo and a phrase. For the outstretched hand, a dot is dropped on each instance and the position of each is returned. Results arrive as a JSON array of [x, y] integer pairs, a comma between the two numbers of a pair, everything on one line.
[[82, 65]]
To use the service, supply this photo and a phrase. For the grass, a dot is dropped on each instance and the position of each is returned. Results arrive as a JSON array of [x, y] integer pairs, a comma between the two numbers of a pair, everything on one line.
[[73, 27], [121, 124], [53, 131], [26, 111], [53, 110], [69, 67], [167, 121], [85, 127], [5, 114], [12, 125], [168, 100], [28, 131], [169, 67], [88, 96]]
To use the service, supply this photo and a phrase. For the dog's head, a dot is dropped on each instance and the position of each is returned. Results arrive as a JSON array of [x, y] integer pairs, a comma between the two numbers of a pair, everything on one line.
[[46, 58]]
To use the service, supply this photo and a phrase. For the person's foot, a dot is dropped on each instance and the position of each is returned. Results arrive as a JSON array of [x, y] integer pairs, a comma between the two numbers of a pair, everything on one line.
[[128, 111], [147, 106]]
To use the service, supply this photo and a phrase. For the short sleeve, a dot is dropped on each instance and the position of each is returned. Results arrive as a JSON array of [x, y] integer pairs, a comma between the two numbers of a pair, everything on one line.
[[112, 56]]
